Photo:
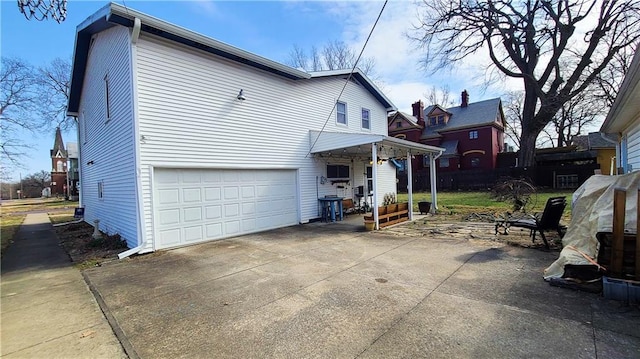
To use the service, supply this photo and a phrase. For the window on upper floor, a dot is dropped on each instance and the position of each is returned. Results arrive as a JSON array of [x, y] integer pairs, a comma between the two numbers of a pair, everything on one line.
[[337, 171], [441, 120], [59, 166], [366, 119], [399, 124], [107, 98], [473, 135], [433, 120], [341, 113]]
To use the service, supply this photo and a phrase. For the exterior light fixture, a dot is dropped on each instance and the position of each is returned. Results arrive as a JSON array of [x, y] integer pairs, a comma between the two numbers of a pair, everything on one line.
[[241, 96]]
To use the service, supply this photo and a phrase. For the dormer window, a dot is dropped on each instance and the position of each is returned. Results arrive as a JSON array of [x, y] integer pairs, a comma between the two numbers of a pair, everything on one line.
[[441, 120], [399, 124], [433, 120]]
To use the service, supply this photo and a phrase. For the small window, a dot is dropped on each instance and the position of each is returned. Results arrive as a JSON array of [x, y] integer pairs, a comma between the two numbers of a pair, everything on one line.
[[341, 113], [366, 121], [441, 119], [444, 162], [473, 135], [433, 120], [337, 171], [59, 167], [107, 97], [475, 162], [100, 189], [399, 124]]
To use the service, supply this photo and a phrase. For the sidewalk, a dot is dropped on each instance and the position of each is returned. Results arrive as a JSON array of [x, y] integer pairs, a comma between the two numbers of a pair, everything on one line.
[[46, 307]]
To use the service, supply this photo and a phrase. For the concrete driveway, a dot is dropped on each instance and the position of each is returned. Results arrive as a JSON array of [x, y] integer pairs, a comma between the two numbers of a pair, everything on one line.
[[328, 291]]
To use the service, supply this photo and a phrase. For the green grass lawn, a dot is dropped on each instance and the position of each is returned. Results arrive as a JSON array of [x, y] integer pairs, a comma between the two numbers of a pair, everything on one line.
[[463, 203]]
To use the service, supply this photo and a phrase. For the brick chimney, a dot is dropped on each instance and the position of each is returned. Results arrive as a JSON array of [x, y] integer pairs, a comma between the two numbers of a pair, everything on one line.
[[465, 99], [418, 112]]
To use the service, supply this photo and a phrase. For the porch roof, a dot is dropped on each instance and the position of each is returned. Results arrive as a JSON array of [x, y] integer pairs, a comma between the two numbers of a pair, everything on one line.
[[354, 144]]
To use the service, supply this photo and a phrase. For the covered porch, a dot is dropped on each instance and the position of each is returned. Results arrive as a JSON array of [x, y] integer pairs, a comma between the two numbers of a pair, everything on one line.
[[376, 155]]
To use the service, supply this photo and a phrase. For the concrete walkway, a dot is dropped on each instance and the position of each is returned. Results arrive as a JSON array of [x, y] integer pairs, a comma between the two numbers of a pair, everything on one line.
[[46, 307]]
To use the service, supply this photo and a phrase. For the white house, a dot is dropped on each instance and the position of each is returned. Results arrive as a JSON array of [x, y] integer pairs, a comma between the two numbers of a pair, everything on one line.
[[185, 139], [623, 119]]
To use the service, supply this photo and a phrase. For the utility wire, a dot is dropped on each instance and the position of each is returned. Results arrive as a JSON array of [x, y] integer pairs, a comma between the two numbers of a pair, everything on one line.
[[348, 78]]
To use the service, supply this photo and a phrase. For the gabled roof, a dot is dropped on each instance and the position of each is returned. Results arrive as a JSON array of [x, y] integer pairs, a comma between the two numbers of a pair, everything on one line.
[[113, 14], [475, 114], [413, 121], [362, 79]]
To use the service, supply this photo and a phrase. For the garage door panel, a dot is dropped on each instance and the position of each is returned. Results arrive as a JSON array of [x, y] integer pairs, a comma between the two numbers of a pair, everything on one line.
[[192, 214], [169, 217], [212, 194], [169, 196], [231, 193], [213, 212], [192, 195], [195, 205]]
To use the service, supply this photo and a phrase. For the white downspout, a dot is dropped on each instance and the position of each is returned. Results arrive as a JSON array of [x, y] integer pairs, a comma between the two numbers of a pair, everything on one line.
[[410, 184], [374, 174], [432, 169], [135, 34]]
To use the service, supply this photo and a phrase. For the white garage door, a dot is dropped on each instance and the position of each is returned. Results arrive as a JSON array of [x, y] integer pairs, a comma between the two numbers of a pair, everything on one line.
[[194, 205]]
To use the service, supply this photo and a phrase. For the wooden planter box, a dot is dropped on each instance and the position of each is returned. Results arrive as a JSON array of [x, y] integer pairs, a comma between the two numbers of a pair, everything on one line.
[[389, 214]]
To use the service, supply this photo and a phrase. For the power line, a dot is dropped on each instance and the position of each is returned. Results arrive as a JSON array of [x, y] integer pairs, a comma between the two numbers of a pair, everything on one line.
[[348, 78]]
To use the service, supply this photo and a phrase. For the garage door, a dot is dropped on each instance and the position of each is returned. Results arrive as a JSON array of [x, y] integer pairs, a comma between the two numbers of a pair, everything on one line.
[[194, 205]]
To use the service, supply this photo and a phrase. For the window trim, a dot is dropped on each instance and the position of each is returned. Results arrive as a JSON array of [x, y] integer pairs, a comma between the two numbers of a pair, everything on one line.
[[107, 97], [101, 189], [368, 112], [346, 120]]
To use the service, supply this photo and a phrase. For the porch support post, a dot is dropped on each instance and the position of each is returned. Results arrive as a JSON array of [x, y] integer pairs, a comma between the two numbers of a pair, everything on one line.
[[410, 184], [374, 174], [434, 195]]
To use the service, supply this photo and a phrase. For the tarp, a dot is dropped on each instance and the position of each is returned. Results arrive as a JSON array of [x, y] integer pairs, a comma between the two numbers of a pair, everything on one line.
[[592, 212]]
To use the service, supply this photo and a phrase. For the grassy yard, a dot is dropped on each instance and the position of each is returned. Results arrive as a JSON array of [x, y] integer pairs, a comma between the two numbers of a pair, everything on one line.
[[464, 203], [14, 212]]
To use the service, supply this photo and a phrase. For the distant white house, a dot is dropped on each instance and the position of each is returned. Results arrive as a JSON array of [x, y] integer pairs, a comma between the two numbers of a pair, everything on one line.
[[184, 139], [623, 120]]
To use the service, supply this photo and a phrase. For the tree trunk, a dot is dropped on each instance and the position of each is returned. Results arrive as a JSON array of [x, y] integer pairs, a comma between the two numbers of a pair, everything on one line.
[[527, 156]]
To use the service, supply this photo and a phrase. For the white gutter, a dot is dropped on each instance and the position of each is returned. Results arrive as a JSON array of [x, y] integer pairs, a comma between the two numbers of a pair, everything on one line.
[[135, 34]]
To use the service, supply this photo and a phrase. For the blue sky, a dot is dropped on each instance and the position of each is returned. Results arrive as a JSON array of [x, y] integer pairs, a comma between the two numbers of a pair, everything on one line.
[[267, 28]]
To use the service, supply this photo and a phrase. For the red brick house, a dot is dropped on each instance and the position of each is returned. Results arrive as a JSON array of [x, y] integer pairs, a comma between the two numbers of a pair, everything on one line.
[[472, 133]]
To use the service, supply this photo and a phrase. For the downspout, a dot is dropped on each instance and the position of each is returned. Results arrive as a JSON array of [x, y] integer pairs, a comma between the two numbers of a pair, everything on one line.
[[432, 169], [135, 35]]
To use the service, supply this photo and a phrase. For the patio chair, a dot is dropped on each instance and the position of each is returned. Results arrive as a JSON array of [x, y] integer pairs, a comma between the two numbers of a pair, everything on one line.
[[547, 221]]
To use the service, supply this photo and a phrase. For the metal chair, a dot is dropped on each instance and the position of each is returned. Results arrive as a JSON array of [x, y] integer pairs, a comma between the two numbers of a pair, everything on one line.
[[548, 220]]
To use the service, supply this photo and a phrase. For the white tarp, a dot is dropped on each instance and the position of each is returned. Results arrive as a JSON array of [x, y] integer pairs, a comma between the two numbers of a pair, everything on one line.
[[592, 212]]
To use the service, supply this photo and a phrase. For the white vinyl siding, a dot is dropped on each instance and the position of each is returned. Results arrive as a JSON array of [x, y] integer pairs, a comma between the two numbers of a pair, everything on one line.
[[633, 148], [107, 149], [190, 117]]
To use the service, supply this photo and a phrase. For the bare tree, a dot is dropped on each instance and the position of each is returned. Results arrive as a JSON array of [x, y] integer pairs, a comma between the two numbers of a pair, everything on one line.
[[54, 81], [575, 116], [18, 100], [610, 79], [34, 183], [334, 55], [544, 43], [513, 116], [440, 96]]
